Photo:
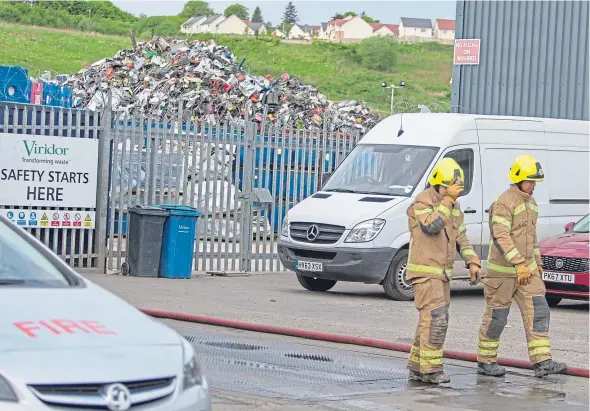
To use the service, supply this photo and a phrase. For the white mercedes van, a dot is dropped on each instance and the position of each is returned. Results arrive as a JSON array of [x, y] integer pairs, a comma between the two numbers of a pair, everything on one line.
[[356, 229]]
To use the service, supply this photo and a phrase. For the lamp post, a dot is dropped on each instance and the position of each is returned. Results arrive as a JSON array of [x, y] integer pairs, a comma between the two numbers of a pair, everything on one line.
[[392, 87]]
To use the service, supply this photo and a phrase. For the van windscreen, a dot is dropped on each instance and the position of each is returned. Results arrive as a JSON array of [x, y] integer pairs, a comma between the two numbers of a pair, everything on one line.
[[384, 169]]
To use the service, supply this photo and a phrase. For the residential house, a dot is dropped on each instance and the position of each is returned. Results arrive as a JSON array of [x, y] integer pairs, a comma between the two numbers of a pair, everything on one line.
[[349, 30], [256, 29], [192, 25], [410, 28], [231, 25], [323, 32], [380, 29], [306, 32], [444, 29], [277, 33], [210, 24]]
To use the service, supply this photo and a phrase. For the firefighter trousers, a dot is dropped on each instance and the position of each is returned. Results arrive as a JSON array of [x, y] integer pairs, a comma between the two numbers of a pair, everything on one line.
[[534, 310], [432, 297]]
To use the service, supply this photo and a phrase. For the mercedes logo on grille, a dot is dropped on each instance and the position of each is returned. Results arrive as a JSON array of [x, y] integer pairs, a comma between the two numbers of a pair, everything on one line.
[[117, 397], [312, 232], [559, 263]]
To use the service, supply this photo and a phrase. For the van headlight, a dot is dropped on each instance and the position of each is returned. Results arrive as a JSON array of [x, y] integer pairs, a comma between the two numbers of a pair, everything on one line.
[[285, 227], [365, 231], [192, 372], [6, 392]]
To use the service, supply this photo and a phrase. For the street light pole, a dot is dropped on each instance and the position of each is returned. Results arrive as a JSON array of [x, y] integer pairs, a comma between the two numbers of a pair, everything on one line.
[[391, 107], [392, 87]]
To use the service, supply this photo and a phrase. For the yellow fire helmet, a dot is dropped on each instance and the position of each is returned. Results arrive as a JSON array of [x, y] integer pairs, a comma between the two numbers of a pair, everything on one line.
[[526, 167], [446, 172]]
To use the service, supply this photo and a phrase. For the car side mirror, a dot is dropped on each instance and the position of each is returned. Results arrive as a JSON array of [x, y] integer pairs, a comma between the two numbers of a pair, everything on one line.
[[569, 226], [325, 177]]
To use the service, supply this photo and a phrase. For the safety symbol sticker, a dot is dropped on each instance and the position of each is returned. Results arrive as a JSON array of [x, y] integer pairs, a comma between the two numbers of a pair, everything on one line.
[[44, 220], [66, 220], [77, 220], [55, 222], [88, 221]]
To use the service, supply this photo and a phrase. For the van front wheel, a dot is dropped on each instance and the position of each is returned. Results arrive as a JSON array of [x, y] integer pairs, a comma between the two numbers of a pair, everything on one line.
[[315, 284], [395, 284]]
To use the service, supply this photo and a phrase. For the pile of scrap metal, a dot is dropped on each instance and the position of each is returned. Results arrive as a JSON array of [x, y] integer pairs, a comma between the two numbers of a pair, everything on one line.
[[203, 82]]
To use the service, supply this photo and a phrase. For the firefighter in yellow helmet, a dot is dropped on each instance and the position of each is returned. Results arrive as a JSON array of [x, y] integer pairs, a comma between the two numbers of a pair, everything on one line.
[[437, 232], [514, 271]]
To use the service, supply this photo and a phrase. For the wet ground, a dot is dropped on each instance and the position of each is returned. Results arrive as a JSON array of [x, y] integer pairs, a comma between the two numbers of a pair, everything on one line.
[[352, 309], [252, 371]]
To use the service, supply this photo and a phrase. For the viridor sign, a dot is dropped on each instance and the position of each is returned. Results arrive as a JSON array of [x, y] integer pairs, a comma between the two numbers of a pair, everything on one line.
[[44, 171]]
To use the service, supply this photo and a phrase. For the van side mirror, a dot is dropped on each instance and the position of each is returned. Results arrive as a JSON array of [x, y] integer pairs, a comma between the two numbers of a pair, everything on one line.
[[325, 177], [569, 226]]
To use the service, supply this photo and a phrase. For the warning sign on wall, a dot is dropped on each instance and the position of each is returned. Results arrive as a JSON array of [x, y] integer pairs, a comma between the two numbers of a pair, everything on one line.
[[50, 218], [46, 171], [467, 51]]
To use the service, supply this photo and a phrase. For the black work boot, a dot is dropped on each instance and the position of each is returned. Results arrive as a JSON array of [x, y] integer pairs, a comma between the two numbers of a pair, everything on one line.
[[548, 367], [415, 376], [438, 377], [490, 369]]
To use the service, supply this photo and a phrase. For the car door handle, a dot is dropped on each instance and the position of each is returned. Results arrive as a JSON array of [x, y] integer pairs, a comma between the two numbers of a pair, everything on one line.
[[487, 211], [470, 211]]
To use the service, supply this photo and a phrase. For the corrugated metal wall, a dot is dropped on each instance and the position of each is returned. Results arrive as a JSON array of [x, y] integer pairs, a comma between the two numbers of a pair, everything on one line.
[[533, 62]]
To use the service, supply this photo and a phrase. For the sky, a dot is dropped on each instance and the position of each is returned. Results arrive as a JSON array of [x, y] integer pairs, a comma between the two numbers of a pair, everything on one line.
[[310, 12]]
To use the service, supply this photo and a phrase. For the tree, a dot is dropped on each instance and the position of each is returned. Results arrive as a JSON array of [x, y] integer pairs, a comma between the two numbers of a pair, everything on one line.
[[349, 13], [337, 16], [257, 16], [238, 10], [290, 17], [268, 25], [378, 53], [196, 8]]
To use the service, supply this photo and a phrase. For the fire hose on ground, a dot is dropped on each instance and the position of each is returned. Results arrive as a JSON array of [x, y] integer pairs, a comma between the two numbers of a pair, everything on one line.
[[337, 338]]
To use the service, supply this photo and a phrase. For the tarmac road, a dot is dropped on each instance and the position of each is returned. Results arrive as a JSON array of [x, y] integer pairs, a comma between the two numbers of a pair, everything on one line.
[[353, 309], [250, 371]]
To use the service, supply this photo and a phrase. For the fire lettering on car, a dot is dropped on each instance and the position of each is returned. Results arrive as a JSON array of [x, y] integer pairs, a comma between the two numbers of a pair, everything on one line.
[[61, 326]]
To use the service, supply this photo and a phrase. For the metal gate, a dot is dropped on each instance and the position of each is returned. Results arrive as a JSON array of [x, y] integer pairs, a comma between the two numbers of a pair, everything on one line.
[[218, 168], [78, 247]]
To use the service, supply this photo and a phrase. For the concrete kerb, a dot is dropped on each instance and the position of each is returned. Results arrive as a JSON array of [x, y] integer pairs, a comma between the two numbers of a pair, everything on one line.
[[337, 338]]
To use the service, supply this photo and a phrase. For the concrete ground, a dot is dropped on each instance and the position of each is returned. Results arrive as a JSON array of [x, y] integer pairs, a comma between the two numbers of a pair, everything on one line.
[[251, 371], [352, 309]]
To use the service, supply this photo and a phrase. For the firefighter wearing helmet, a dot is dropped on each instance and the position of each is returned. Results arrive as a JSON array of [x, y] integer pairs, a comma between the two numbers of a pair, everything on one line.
[[514, 271], [437, 232]]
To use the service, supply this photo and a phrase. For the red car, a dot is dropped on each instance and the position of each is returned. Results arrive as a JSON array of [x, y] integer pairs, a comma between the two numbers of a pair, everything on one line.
[[565, 263]]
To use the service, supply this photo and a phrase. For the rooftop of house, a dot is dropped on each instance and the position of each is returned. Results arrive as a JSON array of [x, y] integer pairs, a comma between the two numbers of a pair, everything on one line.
[[212, 18], [392, 27], [193, 20], [255, 26], [418, 23], [445, 24]]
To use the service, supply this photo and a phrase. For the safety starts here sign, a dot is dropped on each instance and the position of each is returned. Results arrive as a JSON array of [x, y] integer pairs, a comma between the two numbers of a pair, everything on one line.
[[44, 171], [467, 51]]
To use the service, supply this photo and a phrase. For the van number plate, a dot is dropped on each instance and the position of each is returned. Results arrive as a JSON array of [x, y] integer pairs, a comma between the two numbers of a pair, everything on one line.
[[558, 277], [309, 266]]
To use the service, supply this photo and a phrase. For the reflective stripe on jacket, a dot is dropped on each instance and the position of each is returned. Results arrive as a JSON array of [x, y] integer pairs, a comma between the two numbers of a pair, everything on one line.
[[513, 233], [437, 233]]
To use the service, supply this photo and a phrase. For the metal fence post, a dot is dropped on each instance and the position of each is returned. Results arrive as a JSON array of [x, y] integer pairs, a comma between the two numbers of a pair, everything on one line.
[[246, 197], [102, 187]]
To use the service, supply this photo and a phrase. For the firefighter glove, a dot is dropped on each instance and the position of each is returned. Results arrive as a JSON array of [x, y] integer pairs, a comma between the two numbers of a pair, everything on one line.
[[454, 191], [523, 274], [475, 274], [540, 271]]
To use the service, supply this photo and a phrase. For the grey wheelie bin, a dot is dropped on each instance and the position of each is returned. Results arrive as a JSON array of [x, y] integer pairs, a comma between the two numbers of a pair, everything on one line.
[[144, 241]]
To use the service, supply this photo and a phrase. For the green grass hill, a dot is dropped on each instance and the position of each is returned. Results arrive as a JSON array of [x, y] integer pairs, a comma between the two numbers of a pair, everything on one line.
[[333, 68]]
